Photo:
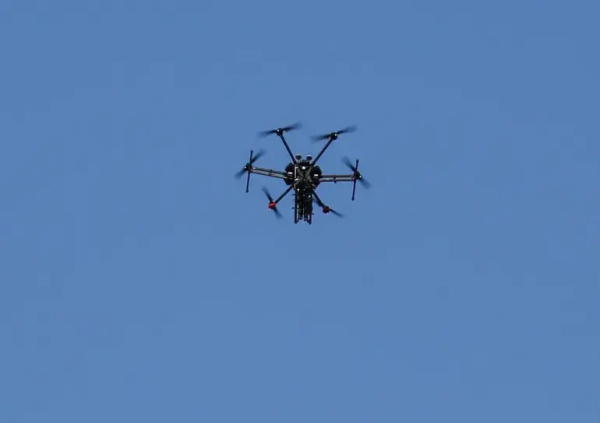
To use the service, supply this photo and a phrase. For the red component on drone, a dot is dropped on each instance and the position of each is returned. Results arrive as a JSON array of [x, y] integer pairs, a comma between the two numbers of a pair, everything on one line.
[[272, 205]]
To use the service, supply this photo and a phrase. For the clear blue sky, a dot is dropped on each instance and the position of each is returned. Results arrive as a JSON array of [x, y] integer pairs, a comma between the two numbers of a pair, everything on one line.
[[139, 282]]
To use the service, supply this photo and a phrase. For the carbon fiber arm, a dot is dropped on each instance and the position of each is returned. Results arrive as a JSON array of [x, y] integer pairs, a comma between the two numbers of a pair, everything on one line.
[[268, 172], [337, 178]]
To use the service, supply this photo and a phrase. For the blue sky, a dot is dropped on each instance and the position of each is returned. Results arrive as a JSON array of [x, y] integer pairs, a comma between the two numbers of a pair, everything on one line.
[[140, 282]]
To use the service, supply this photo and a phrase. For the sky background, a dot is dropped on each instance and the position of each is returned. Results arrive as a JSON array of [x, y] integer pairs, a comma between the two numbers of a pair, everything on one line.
[[139, 282]]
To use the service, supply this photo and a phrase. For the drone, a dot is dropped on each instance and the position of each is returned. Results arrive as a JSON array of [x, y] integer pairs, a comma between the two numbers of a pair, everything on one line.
[[303, 175]]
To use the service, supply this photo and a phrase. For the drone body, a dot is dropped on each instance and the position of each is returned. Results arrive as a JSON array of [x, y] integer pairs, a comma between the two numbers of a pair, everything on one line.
[[303, 176]]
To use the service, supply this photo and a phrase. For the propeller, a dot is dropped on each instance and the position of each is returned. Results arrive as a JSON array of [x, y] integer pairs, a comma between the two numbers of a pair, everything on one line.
[[354, 168], [327, 209], [334, 135], [250, 163], [280, 131], [272, 203]]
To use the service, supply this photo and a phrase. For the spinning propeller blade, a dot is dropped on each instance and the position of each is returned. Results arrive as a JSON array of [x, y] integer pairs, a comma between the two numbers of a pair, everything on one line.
[[272, 204], [357, 174], [250, 163], [330, 210], [280, 131], [334, 135], [327, 209]]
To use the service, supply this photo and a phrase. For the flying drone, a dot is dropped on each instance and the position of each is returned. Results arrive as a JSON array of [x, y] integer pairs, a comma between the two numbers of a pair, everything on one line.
[[303, 175]]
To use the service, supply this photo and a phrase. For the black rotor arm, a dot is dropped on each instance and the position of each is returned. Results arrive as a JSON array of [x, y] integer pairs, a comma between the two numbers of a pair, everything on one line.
[[287, 147], [268, 172], [322, 151], [354, 177], [326, 209], [331, 137], [279, 132], [337, 178]]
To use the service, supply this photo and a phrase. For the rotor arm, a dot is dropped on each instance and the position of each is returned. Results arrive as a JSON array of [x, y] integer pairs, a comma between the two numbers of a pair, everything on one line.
[[279, 132], [344, 178], [318, 199], [287, 147], [331, 139], [326, 209], [337, 178], [286, 192], [268, 172]]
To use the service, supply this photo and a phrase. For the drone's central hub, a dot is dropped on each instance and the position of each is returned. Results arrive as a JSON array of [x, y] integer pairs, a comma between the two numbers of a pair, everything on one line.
[[272, 205]]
